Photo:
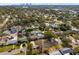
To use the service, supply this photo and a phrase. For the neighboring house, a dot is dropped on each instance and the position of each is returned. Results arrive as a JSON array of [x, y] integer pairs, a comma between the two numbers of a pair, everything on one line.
[[74, 28], [76, 42], [9, 36], [8, 39], [37, 34], [7, 32], [35, 27], [23, 38], [58, 40], [13, 30], [53, 41], [54, 25], [47, 24], [12, 40], [64, 51]]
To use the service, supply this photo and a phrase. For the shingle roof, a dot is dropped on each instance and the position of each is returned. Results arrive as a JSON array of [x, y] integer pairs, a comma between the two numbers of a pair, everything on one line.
[[61, 51], [66, 50]]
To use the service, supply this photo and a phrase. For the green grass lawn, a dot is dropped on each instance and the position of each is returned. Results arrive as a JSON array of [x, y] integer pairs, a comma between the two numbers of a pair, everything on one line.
[[7, 48]]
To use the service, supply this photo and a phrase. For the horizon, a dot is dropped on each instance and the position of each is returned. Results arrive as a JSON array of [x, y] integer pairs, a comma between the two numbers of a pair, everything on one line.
[[39, 3]]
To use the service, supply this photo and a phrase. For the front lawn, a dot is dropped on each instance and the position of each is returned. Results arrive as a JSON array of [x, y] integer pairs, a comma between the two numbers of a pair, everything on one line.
[[7, 48]]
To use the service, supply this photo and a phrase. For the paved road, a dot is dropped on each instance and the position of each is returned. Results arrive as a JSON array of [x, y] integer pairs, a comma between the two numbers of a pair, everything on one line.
[[12, 52], [6, 20]]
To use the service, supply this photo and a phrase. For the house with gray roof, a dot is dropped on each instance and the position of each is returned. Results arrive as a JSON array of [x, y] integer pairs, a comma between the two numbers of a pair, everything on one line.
[[64, 51]]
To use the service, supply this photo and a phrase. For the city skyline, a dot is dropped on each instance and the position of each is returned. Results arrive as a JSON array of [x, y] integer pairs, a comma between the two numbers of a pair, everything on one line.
[[39, 3]]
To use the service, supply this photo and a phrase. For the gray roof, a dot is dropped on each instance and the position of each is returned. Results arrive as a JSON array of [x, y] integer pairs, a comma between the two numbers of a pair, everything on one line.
[[61, 51], [66, 50]]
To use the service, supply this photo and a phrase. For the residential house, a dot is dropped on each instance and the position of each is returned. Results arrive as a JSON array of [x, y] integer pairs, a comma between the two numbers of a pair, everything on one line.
[[64, 51]]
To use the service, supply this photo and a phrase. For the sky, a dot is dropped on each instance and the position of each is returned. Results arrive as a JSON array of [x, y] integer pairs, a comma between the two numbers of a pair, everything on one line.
[[38, 1]]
